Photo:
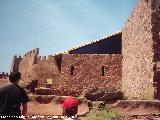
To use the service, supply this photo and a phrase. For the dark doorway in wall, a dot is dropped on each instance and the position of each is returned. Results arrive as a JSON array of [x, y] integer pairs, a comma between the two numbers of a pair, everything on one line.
[[72, 70], [103, 71]]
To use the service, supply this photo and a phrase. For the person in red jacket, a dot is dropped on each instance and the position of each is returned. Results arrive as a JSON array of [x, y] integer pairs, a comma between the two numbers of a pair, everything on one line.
[[70, 109]]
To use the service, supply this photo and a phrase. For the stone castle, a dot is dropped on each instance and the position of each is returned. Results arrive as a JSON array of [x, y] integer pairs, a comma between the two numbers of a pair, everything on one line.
[[126, 60]]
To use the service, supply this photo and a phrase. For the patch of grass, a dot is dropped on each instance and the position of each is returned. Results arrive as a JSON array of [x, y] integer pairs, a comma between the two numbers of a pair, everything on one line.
[[102, 114]]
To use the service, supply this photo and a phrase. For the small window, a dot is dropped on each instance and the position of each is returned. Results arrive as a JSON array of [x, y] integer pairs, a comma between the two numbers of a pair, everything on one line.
[[72, 70], [102, 70]]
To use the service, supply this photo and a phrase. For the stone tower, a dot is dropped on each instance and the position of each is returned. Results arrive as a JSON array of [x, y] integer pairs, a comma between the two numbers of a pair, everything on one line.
[[141, 51]]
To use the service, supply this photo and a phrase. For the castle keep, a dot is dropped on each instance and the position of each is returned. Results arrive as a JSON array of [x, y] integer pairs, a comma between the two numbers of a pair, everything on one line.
[[126, 60]]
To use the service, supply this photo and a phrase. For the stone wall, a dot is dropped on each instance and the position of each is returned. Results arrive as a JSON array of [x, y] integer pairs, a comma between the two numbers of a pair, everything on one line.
[[83, 71], [35, 67], [138, 52], [46, 69], [26, 66]]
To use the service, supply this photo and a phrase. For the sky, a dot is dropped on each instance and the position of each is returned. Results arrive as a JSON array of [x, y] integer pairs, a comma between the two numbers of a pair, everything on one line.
[[56, 25]]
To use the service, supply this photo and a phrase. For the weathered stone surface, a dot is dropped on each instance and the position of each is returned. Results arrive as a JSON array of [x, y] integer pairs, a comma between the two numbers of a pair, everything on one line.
[[138, 52], [32, 67], [87, 72]]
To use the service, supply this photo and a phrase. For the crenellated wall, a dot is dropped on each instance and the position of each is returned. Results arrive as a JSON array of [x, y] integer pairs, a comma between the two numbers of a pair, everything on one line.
[[3, 75], [84, 71], [71, 73], [35, 67], [46, 68], [15, 63], [27, 64]]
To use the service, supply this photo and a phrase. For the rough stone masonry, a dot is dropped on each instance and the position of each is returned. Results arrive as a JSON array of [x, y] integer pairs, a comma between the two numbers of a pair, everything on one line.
[[140, 50]]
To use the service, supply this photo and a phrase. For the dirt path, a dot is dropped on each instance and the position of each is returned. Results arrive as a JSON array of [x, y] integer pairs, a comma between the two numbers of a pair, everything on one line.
[[35, 108]]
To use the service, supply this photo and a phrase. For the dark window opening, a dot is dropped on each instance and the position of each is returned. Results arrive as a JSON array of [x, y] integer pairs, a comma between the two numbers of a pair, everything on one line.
[[72, 70], [102, 70]]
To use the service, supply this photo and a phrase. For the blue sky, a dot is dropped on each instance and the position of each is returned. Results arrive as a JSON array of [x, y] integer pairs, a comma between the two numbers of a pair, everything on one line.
[[56, 25]]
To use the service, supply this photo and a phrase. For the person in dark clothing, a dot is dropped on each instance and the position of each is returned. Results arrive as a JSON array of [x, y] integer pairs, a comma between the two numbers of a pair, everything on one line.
[[12, 96]]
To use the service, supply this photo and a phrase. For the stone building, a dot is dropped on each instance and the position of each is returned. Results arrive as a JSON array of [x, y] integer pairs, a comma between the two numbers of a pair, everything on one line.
[[126, 60], [97, 64]]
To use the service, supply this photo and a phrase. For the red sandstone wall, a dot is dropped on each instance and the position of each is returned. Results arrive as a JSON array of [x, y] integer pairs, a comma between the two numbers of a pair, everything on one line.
[[33, 67], [26, 66], [138, 52], [88, 72], [46, 69]]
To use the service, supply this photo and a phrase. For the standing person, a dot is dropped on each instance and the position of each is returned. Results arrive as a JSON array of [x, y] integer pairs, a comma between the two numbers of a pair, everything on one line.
[[70, 109], [12, 96]]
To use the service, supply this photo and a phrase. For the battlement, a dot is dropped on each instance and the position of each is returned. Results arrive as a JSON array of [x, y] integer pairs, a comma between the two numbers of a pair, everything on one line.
[[15, 57], [32, 52], [3, 75], [15, 63], [45, 58]]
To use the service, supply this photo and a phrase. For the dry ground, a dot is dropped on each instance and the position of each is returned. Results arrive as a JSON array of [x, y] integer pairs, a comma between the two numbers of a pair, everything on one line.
[[139, 112], [35, 108], [128, 112]]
